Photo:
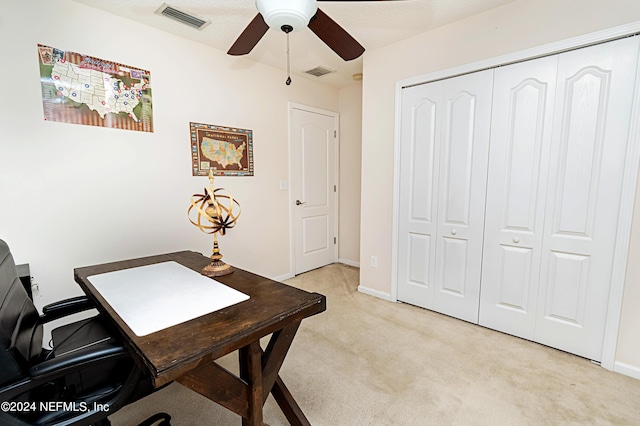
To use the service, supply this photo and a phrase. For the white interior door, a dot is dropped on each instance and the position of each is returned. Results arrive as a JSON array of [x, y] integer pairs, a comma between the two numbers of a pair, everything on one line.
[[593, 107], [521, 124], [313, 147]]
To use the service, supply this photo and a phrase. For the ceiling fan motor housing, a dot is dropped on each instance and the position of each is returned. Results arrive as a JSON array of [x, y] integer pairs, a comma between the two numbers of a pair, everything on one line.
[[293, 13]]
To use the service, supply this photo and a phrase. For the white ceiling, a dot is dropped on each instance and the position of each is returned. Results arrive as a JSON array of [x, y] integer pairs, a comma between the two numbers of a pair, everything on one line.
[[373, 23]]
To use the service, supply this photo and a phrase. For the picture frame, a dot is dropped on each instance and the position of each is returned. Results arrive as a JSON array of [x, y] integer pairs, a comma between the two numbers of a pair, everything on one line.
[[226, 151]]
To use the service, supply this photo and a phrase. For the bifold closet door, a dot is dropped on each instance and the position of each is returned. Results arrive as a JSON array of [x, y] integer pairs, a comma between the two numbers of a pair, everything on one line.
[[559, 129], [444, 149], [419, 165], [464, 152], [522, 117], [594, 96], [559, 136]]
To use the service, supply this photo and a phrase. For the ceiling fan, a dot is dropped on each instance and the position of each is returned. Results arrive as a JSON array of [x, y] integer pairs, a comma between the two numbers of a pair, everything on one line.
[[294, 15]]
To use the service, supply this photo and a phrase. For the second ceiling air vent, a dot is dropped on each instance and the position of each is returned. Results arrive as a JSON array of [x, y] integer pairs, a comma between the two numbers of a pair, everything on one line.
[[182, 16], [319, 71]]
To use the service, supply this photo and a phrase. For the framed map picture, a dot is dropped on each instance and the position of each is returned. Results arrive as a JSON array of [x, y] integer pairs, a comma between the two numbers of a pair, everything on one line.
[[82, 89], [225, 150]]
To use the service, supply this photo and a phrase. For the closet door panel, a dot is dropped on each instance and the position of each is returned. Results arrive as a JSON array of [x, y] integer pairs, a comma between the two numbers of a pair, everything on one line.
[[593, 103], [463, 166], [566, 288], [522, 115], [418, 193], [454, 253]]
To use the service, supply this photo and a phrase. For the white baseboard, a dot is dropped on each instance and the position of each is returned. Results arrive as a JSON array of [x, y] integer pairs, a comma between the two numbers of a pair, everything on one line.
[[376, 293], [349, 262], [627, 369], [283, 277]]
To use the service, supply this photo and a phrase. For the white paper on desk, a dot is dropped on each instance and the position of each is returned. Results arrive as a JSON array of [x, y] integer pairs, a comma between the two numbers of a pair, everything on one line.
[[154, 297]]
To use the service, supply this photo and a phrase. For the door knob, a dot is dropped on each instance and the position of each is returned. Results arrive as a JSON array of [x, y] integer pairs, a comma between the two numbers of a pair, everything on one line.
[[516, 240], [454, 232], [298, 202]]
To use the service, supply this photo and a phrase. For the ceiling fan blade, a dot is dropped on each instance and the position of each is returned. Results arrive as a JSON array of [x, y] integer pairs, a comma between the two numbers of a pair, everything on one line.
[[249, 37], [335, 36]]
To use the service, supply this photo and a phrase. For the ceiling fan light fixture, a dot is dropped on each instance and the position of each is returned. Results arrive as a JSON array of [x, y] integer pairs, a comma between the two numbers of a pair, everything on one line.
[[293, 13]]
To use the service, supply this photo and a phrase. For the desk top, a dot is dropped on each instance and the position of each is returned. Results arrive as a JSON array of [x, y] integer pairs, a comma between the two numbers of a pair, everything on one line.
[[172, 352], [151, 298]]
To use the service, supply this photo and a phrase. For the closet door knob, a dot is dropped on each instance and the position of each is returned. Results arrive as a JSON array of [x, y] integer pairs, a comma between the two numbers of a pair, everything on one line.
[[516, 240], [454, 232]]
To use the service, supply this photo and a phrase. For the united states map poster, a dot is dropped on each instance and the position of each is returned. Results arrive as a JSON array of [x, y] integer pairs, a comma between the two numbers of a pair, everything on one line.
[[83, 89], [221, 150]]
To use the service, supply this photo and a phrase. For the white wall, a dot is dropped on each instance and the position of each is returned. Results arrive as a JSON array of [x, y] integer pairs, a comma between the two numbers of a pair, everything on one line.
[[516, 26], [73, 195], [350, 171]]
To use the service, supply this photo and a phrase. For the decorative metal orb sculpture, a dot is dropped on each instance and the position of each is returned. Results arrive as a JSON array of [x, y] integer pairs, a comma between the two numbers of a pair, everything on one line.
[[222, 211]]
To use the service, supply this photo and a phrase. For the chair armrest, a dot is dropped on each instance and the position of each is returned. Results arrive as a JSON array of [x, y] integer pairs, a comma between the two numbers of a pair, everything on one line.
[[77, 360], [65, 307], [62, 366]]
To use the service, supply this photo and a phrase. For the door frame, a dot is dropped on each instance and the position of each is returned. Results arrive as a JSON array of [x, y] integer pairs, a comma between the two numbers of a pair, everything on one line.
[[630, 180], [291, 198]]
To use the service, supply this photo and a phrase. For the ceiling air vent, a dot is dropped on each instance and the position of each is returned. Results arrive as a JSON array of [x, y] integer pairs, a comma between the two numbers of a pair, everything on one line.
[[319, 71], [182, 16]]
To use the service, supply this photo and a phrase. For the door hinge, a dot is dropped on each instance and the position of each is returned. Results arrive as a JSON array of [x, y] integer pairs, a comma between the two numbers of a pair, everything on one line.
[[334, 240], [335, 188], [335, 133]]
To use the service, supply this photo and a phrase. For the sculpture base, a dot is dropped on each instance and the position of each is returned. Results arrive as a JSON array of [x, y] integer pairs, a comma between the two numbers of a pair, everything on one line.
[[216, 268]]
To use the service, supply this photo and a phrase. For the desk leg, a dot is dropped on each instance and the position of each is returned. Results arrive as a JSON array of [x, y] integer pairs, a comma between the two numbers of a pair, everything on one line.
[[259, 375], [272, 360], [251, 373], [273, 357], [288, 405]]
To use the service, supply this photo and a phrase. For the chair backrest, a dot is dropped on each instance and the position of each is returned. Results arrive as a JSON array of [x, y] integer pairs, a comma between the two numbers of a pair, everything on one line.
[[20, 328]]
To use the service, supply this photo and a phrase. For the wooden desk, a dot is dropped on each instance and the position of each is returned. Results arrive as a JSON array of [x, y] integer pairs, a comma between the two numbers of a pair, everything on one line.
[[186, 352]]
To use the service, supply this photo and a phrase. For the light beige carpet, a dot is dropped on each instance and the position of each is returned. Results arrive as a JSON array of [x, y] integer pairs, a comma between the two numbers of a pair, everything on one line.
[[366, 361]]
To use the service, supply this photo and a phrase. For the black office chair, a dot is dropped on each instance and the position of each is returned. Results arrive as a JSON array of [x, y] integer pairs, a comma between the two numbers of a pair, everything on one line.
[[85, 377]]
